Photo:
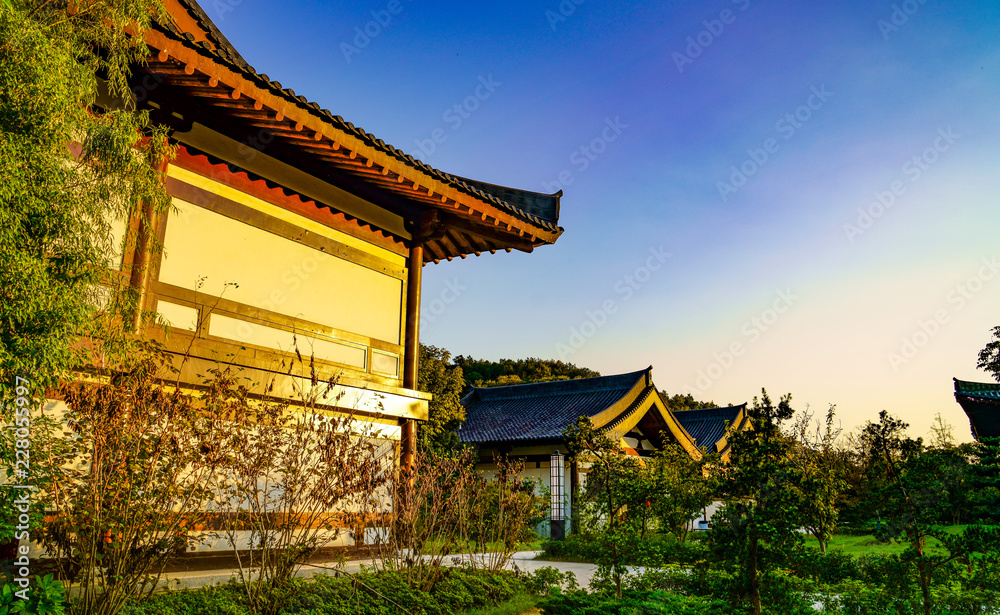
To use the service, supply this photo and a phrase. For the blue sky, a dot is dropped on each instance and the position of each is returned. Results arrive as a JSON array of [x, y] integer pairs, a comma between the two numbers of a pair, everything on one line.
[[757, 193]]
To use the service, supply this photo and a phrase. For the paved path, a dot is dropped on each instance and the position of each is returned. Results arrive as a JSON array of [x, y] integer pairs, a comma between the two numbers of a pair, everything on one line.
[[522, 560], [525, 560]]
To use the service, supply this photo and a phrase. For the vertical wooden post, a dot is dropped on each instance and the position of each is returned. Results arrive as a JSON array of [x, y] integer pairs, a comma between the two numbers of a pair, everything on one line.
[[412, 349], [143, 259], [574, 487], [142, 262]]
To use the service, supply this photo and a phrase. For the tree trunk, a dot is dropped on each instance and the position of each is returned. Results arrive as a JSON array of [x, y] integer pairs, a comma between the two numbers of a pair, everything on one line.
[[819, 538], [753, 576], [925, 589]]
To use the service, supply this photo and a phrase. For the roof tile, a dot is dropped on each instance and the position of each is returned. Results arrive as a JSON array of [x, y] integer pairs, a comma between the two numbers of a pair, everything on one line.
[[539, 410]]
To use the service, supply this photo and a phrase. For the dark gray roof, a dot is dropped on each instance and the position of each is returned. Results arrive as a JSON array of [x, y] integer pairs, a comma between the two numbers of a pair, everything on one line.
[[708, 425], [539, 411], [981, 402], [545, 206]]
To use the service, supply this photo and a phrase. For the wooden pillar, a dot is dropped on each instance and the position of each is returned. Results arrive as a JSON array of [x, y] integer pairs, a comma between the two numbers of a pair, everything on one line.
[[412, 349], [143, 258], [411, 354], [574, 488], [142, 261]]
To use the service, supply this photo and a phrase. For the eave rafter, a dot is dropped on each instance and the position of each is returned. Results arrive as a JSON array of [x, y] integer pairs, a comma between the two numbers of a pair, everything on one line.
[[478, 225]]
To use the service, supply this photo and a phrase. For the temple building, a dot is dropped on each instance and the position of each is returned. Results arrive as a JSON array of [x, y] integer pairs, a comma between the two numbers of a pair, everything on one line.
[[981, 402], [292, 227], [707, 426], [526, 421]]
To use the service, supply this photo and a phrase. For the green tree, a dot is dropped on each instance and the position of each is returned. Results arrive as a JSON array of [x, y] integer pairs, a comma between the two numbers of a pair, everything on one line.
[[822, 468], [680, 403], [760, 518], [989, 357], [955, 468], [483, 373], [985, 487], [445, 381], [68, 169], [607, 488], [681, 488], [915, 498]]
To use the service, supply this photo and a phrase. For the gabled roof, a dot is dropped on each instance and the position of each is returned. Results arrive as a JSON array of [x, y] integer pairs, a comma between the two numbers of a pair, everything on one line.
[[538, 413], [708, 425], [201, 79], [981, 402]]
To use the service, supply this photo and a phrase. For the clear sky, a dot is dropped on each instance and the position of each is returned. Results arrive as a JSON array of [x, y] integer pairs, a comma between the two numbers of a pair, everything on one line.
[[801, 196]]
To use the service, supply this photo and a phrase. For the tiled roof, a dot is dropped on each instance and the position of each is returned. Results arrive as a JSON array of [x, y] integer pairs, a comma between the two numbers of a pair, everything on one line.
[[212, 32], [982, 390], [539, 411], [708, 425], [981, 403], [536, 208]]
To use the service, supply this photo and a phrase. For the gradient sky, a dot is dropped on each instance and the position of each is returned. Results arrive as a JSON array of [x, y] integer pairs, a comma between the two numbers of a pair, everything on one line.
[[877, 307]]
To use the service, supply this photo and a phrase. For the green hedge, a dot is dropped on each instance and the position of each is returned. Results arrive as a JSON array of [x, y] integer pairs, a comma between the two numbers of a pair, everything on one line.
[[633, 603], [651, 550], [460, 589]]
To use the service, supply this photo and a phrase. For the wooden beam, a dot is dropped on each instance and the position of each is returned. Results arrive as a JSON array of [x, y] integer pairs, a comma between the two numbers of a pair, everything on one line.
[[181, 52]]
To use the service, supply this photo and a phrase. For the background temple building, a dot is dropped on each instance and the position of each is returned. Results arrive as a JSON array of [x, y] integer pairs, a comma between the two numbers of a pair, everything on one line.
[[290, 223], [981, 402], [526, 421]]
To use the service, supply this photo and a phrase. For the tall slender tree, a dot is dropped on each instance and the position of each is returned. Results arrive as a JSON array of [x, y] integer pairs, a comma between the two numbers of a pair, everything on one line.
[[761, 515]]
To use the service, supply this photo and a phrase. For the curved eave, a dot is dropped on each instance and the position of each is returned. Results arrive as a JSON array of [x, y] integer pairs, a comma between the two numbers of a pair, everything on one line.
[[642, 408], [981, 403], [454, 218], [740, 423]]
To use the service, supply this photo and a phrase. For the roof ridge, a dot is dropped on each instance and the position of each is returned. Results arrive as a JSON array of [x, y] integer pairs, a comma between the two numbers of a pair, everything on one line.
[[693, 411], [968, 386], [574, 385]]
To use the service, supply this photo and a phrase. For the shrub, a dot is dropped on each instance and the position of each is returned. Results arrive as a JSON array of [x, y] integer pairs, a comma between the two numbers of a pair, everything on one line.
[[217, 600], [547, 580], [575, 547], [365, 593], [830, 567], [654, 550], [633, 603], [47, 597]]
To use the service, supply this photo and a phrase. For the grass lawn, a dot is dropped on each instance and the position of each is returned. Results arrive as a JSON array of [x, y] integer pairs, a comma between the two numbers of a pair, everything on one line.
[[517, 606], [867, 545]]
